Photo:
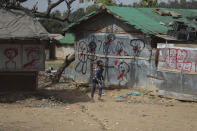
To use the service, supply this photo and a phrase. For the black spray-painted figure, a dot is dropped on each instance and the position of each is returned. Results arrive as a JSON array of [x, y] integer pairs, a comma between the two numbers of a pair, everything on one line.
[[107, 45], [86, 50]]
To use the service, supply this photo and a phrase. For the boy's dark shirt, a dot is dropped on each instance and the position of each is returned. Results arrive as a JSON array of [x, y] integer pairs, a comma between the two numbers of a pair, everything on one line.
[[98, 75]]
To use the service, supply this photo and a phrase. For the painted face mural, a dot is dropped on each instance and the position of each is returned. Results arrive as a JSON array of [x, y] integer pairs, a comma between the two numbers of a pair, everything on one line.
[[10, 53], [82, 49], [33, 57], [107, 46], [137, 45], [112, 49], [123, 69], [92, 44], [86, 51]]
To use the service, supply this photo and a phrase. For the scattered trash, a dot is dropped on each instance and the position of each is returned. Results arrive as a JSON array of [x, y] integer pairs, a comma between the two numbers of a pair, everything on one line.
[[84, 90], [162, 23], [127, 94], [67, 108], [167, 13], [117, 123], [42, 106]]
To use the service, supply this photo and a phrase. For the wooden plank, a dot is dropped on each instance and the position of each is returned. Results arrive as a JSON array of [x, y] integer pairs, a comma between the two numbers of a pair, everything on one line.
[[180, 99], [155, 77], [175, 71], [117, 57]]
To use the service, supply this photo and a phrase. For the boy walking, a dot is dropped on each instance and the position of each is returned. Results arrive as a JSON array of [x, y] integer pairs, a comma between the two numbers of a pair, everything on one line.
[[97, 80]]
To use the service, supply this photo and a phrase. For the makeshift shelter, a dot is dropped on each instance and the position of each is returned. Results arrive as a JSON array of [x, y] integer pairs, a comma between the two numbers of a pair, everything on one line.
[[141, 48], [22, 40], [60, 46]]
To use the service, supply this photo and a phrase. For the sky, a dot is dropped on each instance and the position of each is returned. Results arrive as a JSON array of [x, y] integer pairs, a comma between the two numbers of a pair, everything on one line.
[[42, 4]]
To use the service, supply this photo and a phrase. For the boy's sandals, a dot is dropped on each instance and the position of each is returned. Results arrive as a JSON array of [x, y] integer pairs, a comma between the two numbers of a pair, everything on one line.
[[100, 99], [92, 101]]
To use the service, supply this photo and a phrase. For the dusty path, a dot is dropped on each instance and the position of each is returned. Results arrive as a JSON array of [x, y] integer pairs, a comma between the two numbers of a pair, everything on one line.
[[70, 110]]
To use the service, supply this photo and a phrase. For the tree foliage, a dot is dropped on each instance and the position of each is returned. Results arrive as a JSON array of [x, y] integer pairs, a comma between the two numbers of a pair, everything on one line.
[[53, 26], [148, 3]]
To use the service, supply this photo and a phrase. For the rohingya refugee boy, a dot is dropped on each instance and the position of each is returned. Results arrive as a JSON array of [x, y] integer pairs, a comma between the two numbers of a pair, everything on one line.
[[97, 80]]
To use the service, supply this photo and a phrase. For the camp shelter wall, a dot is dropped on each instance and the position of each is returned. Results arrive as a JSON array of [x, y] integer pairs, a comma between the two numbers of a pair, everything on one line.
[[22, 55], [20, 61], [111, 35], [177, 69], [61, 51], [125, 51]]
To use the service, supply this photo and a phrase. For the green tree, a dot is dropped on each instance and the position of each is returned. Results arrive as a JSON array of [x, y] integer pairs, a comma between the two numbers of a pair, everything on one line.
[[77, 14], [99, 3], [92, 8], [53, 26], [148, 3], [105, 2]]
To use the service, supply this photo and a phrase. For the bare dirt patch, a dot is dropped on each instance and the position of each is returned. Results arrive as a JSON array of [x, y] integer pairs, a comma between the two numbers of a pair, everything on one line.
[[63, 106]]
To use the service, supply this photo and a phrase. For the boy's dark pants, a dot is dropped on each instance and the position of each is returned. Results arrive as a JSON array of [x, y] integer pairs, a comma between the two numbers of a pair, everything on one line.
[[94, 82]]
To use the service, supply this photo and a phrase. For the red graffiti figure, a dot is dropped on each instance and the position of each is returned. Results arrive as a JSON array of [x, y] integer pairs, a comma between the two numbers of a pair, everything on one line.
[[10, 53], [33, 57], [196, 64], [137, 45], [177, 59], [123, 68]]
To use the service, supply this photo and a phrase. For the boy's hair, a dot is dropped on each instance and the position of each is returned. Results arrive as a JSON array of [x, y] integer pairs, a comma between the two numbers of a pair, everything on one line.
[[99, 61]]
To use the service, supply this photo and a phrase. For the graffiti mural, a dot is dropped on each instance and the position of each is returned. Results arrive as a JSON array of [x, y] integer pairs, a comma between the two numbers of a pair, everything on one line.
[[95, 47], [177, 59], [108, 44], [86, 51], [123, 69], [81, 66], [21, 57], [33, 55], [10, 53], [137, 46], [92, 44]]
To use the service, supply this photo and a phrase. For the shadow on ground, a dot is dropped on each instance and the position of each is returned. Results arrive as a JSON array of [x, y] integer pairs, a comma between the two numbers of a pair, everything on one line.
[[64, 96]]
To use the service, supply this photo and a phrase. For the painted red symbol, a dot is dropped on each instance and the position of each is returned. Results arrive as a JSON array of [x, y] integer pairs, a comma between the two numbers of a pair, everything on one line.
[[119, 52], [135, 49], [33, 57], [109, 41], [177, 59], [116, 63], [121, 75], [10, 53]]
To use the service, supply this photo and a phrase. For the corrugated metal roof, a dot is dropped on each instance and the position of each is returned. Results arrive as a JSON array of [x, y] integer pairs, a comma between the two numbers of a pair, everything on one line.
[[78, 21], [145, 19], [17, 24]]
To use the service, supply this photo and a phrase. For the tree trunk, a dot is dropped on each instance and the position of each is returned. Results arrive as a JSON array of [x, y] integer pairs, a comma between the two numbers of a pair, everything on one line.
[[69, 59]]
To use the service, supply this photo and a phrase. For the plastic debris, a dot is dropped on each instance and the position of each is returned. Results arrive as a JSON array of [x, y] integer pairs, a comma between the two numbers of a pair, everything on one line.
[[43, 106], [127, 94]]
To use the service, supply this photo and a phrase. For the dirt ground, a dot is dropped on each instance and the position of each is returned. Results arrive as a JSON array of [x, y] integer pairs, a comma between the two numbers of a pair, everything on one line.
[[63, 107]]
